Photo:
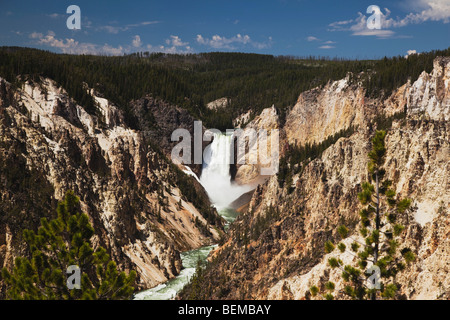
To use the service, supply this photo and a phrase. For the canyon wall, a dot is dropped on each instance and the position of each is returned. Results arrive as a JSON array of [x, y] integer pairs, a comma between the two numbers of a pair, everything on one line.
[[275, 250], [128, 187]]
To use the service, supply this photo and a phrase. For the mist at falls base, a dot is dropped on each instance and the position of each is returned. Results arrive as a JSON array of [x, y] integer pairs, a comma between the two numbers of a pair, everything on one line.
[[215, 177], [216, 180]]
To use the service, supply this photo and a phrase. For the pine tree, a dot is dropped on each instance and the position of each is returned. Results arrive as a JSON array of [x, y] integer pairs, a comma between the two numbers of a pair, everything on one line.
[[379, 260], [58, 244]]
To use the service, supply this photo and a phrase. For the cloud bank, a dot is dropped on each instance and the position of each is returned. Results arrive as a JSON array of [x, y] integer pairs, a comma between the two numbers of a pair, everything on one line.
[[428, 10], [221, 42]]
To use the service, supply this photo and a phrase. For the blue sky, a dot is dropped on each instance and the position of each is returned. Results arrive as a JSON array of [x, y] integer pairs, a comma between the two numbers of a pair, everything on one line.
[[279, 27]]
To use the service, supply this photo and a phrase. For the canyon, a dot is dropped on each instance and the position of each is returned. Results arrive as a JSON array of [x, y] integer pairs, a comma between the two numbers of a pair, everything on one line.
[[146, 210]]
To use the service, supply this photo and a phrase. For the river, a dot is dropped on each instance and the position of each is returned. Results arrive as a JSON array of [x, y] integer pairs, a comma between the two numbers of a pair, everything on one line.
[[169, 290], [216, 180]]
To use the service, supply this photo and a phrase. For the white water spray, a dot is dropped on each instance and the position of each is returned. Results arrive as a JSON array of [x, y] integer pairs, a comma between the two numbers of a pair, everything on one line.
[[216, 177]]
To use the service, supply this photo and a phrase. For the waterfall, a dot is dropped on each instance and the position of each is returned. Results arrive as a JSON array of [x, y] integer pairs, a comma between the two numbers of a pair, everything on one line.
[[215, 176], [216, 180]]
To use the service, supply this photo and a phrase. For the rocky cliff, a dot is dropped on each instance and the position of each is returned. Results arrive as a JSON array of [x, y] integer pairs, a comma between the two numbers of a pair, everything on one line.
[[275, 249], [250, 162], [157, 119], [132, 193]]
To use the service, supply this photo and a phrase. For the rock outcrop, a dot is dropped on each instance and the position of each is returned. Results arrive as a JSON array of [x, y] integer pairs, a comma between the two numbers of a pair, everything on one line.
[[429, 96], [321, 112], [157, 119], [259, 152], [218, 104]]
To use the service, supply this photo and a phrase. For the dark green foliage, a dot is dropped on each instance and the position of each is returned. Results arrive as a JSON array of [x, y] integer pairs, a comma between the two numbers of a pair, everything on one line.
[[389, 291], [384, 122], [390, 73], [342, 247], [343, 231], [329, 286], [58, 244], [314, 291], [377, 154], [195, 195], [298, 156], [329, 247], [409, 256], [333, 262], [355, 246], [329, 296], [26, 194], [262, 221], [251, 81], [398, 228]]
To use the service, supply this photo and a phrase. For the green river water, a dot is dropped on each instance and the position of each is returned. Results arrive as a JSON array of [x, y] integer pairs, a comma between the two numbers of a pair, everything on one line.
[[169, 289]]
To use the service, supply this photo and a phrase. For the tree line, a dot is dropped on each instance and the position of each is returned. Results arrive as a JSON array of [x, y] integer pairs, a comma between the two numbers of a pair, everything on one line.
[[250, 81]]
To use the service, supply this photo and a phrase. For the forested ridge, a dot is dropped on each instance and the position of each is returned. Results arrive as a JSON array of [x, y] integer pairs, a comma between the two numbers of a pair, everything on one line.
[[250, 81]]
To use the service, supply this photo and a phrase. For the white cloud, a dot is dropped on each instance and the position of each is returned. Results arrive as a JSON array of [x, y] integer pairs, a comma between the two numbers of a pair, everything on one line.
[[410, 52], [36, 35], [434, 10], [56, 15], [172, 50], [429, 10], [358, 27], [311, 38], [338, 25], [220, 42], [174, 45], [176, 42], [201, 40], [72, 46], [325, 44], [117, 29], [137, 43], [66, 45], [140, 24], [111, 29], [109, 50]]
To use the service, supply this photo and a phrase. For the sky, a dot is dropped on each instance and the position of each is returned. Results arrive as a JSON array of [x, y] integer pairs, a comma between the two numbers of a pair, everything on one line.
[[279, 27]]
